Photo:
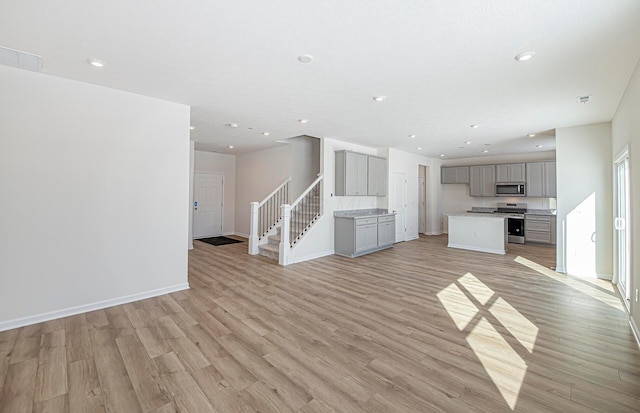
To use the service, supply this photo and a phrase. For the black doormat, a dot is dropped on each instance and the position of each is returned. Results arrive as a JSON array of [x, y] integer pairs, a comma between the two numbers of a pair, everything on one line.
[[217, 241]]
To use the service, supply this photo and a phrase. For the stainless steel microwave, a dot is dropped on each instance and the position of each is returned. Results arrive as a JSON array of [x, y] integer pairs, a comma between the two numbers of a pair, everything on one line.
[[510, 189]]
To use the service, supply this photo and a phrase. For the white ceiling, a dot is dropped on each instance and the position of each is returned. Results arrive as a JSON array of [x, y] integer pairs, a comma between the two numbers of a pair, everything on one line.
[[443, 65]]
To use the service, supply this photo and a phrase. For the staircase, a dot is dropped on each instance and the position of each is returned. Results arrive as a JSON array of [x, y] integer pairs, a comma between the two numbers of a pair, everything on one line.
[[295, 220]]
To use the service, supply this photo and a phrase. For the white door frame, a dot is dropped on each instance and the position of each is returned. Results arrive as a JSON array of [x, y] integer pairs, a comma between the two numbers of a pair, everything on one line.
[[193, 207], [624, 287]]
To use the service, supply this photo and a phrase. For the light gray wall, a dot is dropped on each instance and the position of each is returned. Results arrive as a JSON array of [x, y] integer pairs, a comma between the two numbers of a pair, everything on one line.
[[95, 192], [625, 129], [225, 165], [305, 163], [584, 204], [257, 174]]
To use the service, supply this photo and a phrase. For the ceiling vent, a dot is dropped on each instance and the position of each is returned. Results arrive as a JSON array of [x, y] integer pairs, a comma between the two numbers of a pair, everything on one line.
[[583, 99], [22, 60]]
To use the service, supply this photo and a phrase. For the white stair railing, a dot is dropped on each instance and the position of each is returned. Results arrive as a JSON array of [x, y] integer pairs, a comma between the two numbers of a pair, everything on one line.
[[298, 218], [266, 214], [305, 211]]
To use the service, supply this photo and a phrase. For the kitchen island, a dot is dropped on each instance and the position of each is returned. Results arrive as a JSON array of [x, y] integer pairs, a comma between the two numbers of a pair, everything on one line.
[[478, 232]]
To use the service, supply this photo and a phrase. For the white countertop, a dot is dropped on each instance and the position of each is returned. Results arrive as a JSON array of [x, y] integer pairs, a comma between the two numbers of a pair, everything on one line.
[[476, 215]]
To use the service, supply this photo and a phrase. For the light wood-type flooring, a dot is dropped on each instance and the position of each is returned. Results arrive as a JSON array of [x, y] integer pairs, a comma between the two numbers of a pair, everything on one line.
[[416, 328]]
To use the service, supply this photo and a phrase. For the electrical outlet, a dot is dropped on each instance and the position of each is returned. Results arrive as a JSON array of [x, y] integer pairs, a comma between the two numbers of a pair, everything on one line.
[[636, 295]]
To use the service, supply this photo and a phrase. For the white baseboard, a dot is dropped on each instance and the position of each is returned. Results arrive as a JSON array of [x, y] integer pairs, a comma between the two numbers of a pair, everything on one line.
[[636, 331], [479, 249], [607, 277], [66, 312], [434, 233], [561, 270], [311, 256], [240, 234]]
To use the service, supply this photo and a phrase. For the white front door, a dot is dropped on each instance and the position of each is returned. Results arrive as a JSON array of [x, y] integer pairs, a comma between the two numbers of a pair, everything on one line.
[[207, 205], [399, 203]]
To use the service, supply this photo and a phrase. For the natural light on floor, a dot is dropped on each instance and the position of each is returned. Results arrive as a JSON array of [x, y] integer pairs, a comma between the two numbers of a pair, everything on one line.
[[478, 310], [597, 289]]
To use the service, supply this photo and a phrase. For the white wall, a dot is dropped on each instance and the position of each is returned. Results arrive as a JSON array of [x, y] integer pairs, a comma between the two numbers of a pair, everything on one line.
[[257, 174], [226, 165], [409, 164], [94, 184], [584, 176], [319, 240], [625, 130]]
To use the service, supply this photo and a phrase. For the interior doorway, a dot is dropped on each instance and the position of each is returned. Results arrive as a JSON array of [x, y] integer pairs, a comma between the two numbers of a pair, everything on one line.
[[207, 205], [622, 239], [423, 173], [399, 203]]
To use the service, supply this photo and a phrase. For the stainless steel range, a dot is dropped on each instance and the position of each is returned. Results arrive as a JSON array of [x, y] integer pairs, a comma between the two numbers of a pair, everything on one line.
[[515, 219]]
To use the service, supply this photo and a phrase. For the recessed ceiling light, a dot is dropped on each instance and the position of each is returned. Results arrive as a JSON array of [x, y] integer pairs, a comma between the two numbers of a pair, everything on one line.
[[305, 58], [233, 125], [303, 120], [475, 126], [230, 146], [531, 135], [96, 63], [266, 133], [412, 136], [379, 98], [192, 127], [485, 151], [419, 148], [468, 143], [524, 56], [538, 146], [442, 155]]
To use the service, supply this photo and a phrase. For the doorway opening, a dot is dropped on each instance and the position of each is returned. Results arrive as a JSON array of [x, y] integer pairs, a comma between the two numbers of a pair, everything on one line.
[[423, 175], [399, 203]]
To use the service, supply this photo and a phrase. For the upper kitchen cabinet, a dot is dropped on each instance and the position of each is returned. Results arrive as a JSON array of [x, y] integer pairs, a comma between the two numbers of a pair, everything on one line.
[[377, 180], [541, 179], [483, 180], [358, 174], [351, 173], [512, 172], [454, 175]]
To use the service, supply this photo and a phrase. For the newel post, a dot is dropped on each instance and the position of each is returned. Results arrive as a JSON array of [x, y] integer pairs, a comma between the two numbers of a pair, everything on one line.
[[253, 229], [285, 247]]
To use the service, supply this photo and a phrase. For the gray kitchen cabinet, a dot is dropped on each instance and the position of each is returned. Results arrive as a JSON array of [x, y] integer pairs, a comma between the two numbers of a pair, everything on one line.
[[386, 230], [377, 179], [540, 228], [482, 180], [511, 172], [363, 235], [351, 173], [541, 179], [454, 175], [366, 234]]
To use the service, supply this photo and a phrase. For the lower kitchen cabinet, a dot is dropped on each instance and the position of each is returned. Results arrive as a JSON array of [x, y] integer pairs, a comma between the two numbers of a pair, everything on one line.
[[540, 229], [362, 235]]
